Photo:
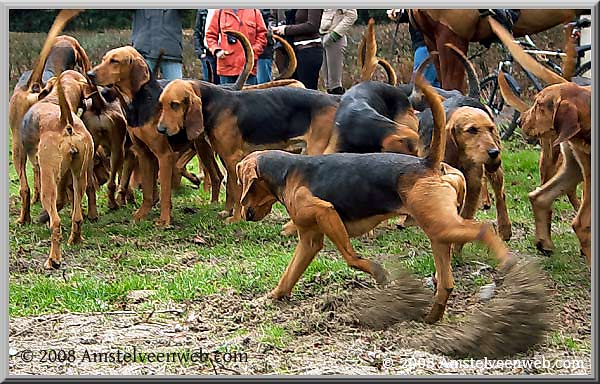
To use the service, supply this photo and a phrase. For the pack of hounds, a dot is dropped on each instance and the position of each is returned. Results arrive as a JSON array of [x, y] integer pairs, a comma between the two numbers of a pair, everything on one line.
[[380, 151]]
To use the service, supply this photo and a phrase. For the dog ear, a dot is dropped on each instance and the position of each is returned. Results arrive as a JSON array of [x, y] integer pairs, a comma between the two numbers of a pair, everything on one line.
[[139, 73], [451, 151], [82, 57], [566, 121], [247, 174], [194, 120]]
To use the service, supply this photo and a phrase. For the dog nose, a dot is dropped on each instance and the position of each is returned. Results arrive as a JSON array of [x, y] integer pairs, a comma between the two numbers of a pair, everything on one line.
[[161, 128], [250, 214], [91, 75], [493, 153]]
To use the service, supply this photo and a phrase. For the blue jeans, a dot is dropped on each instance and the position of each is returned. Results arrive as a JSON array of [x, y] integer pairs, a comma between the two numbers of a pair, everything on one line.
[[170, 69], [264, 70], [206, 61], [430, 74], [232, 79]]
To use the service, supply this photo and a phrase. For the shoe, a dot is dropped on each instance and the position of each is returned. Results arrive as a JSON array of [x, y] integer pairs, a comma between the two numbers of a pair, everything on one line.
[[336, 91]]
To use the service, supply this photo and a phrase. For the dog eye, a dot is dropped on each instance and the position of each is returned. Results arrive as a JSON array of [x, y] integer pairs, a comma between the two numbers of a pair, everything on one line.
[[174, 105], [472, 130], [114, 61]]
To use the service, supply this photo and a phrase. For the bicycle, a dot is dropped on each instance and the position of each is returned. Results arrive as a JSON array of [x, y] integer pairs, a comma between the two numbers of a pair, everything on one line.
[[490, 91]]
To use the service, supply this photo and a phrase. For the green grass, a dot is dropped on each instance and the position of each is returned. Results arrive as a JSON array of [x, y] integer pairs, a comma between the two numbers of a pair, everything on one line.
[[118, 257]]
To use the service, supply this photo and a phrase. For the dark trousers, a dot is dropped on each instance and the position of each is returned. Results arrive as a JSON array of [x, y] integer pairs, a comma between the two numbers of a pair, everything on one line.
[[210, 60], [309, 65]]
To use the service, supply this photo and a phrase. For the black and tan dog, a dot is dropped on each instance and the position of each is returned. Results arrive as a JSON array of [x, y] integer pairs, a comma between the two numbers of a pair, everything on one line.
[[238, 122], [473, 145], [345, 195], [57, 54]]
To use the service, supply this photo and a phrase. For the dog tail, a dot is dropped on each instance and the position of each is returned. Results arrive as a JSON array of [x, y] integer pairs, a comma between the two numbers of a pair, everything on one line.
[[525, 60], [568, 67], [63, 17], [474, 90], [66, 118], [389, 70], [249, 53], [292, 61], [368, 53], [438, 140]]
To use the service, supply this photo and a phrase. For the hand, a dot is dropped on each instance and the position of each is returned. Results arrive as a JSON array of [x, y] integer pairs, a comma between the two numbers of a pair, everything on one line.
[[394, 14], [221, 54], [280, 30]]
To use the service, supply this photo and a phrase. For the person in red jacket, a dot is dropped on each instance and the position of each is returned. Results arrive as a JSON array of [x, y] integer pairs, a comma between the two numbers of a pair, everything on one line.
[[229, 53]]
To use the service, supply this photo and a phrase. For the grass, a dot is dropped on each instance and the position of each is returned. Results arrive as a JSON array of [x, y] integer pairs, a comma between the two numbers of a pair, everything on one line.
[[118, 257]]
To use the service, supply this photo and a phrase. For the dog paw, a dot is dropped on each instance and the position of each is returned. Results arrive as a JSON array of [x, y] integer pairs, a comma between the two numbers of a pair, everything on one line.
[[224, 214], [139, 215], [92, 218], [43, 217], [75, 239], [505, 232], [23, 220], [51, 264], [289, 229], [546, 248], [436, 313], [163, 223], [232, 220], [113, 205]]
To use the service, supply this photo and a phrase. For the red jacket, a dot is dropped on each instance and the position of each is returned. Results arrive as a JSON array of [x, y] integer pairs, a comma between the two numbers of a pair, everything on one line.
[[248, 21]]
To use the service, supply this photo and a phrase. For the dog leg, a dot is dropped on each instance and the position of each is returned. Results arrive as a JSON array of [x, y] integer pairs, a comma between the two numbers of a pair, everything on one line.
[[125, 191], [117, 158], [80, 179], [146, 167], [445, 281], [49, 175], [504, 224], [567, 178], [310, 243], [20, 162], [473, 177], [181, 169], [331, 224], [90, 191], [207, 157], [582, 223], [165, 166], [289, 229], [486, 200], [36, 184]]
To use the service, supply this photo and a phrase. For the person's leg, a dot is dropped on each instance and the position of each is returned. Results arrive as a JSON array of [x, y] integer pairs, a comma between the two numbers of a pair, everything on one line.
[[263, 71], [171, 69], [309, 64], [252, 80], [335, 63], [205, 72], [227, 79], [430, 74], [151, 63], [325, 69]]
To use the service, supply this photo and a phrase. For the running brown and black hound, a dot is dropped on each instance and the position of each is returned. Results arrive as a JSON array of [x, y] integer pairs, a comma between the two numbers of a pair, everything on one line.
[[345, 195]]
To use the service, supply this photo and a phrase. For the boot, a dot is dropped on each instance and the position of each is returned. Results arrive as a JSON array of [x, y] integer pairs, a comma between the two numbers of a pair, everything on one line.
[[336, 91]]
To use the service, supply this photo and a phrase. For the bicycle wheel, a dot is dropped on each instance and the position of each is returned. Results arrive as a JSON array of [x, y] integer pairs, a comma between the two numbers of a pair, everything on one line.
[[490, 93], [583, 69]]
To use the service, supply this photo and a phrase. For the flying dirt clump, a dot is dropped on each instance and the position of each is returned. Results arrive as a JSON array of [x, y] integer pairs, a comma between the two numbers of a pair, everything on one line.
[[516, 319]]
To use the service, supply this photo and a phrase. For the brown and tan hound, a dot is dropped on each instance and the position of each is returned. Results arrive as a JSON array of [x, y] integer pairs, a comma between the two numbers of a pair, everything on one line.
[[52, 60], [561, 112], [344, 195], [55, 138]]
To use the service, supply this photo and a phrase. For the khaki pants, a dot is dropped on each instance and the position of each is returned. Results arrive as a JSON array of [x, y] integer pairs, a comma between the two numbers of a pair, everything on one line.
[[333, 61]]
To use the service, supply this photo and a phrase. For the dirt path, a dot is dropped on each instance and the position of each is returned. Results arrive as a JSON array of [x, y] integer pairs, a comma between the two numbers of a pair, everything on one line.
[[316, 339]]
